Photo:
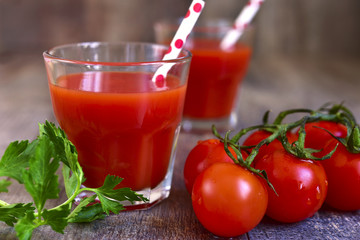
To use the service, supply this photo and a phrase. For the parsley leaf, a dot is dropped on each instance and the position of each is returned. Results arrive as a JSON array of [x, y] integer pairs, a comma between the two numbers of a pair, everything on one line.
[[14, 159], [57, 218], [25, 226], [85, 212], [3, 185], [66, 151], [10, 213], [110, 197], [71, 181], [40, 179], [35, 164]]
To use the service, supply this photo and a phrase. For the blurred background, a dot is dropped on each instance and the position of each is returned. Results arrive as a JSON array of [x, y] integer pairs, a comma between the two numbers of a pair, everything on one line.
[[305, 52], [302, 27]]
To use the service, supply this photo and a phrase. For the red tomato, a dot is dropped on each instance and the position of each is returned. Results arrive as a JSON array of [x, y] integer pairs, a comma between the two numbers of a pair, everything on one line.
[[343, 172], [256, 137], [316, 138], [202, 156], [259, 135], [301, 186], [228, 200]]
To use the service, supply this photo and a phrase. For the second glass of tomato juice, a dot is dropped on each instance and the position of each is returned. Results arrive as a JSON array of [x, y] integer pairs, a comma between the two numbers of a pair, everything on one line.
[[215, 73], [121, 121]]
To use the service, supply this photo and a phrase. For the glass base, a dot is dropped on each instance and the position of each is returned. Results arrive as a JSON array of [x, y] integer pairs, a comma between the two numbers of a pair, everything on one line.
[[221, 124], [154, 195]]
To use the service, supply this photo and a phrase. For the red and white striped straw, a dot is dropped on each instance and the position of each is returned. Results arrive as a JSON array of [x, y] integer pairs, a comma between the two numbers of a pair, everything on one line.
[[241, 23], [179, 40]]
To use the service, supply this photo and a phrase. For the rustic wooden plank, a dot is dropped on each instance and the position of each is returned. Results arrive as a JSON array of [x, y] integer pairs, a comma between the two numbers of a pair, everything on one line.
[[24, 98], [325, 224]]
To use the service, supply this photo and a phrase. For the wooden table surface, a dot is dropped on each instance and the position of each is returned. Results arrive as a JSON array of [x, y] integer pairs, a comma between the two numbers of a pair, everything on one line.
[[273, 84]]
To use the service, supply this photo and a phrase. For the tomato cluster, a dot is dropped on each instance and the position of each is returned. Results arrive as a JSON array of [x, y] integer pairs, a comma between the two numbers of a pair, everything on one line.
[[285, 171]]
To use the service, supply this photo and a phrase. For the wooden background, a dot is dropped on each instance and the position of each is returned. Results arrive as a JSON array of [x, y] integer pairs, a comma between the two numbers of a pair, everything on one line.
[[307, 52]]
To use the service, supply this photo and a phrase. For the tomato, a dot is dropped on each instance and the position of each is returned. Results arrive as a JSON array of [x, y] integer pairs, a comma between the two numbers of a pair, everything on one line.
[[316, 138], [343, 172], [259, 135], [256, 137], [228, 200], [301, 186], [202, 156]]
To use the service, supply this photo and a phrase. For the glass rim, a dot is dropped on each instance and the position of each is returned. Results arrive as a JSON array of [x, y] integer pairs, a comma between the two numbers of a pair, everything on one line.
[[47, 54]]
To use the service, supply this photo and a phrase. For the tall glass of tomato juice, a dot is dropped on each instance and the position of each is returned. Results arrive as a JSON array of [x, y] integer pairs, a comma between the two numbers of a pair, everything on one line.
[[121, 121], [215, 74]]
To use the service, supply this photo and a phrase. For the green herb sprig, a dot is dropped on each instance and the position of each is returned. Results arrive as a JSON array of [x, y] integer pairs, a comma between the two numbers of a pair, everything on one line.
[[34, 164]]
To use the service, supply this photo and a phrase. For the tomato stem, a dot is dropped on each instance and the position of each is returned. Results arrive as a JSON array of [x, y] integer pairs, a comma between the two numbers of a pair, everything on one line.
[[334, 113], [245, 164], [281, 116]]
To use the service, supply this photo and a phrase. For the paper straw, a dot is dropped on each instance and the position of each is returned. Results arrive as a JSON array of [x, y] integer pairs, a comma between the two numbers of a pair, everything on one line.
[[179, 40], [241, 23]]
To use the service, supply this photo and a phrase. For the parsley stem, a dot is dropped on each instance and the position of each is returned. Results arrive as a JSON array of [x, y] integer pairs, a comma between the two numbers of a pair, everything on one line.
[[3, 204], [73, 196]]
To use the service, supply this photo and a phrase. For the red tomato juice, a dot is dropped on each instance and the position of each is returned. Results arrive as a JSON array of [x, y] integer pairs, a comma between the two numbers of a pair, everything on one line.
[[120, 124], [214, 78]]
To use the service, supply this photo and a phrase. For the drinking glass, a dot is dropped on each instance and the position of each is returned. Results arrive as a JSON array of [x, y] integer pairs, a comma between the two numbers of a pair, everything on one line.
[[215, 74], [119, 119]]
